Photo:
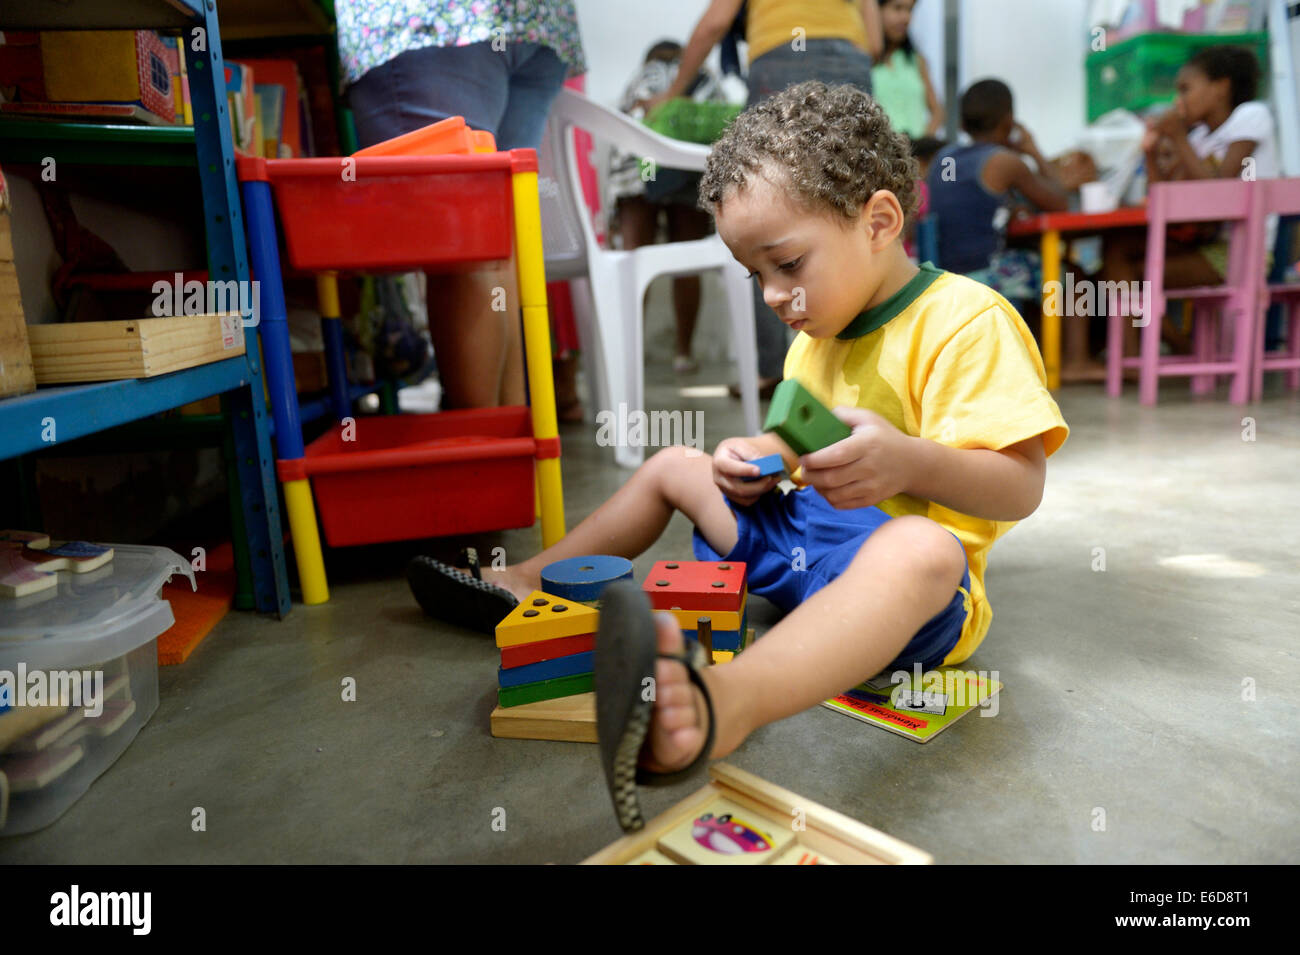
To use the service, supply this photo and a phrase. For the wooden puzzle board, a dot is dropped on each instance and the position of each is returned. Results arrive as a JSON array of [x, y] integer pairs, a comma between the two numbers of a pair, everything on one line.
[[827, 834]]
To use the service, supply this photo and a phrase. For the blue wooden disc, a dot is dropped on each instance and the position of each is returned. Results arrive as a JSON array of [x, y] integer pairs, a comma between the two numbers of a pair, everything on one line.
[[583, 578]]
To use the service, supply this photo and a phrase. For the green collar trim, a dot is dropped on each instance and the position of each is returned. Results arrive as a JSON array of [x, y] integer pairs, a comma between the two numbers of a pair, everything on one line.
[[874, 318]]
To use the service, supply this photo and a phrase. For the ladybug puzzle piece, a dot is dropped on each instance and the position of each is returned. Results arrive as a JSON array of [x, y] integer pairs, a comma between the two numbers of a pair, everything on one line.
[[29, 561]]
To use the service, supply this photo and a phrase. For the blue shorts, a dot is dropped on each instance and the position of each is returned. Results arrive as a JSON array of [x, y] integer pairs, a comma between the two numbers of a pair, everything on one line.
[[782, 531], [508, 93]]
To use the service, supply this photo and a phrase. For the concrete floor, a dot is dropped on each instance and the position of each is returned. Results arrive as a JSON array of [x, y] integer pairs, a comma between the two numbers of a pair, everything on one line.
[[1123, 690]]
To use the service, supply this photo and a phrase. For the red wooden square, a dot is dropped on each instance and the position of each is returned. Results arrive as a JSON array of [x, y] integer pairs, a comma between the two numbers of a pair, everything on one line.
[[696, 585]]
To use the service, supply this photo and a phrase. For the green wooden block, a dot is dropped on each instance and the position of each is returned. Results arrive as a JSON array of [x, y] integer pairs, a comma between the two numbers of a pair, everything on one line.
[[801, 421], [547, 689]]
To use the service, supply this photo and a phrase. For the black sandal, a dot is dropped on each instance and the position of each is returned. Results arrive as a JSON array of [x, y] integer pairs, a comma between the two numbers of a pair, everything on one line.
[[626, 650], [445, 593]]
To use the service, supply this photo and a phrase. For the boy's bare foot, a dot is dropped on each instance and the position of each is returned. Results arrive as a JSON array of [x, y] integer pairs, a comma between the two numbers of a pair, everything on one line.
[[679, 722]]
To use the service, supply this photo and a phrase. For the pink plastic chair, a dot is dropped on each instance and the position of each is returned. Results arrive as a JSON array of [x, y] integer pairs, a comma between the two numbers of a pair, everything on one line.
[[1281, 197], [1223, 200]]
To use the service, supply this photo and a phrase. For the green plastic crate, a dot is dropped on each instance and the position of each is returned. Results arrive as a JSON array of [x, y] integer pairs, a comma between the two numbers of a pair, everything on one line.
[[691, 121], [1139, 72]]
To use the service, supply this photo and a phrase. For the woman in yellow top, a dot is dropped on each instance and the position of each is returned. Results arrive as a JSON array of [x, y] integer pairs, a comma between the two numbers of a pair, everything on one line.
[[789, 41]]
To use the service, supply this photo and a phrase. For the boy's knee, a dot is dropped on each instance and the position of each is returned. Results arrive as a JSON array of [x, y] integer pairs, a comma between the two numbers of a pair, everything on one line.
[[934, 552]]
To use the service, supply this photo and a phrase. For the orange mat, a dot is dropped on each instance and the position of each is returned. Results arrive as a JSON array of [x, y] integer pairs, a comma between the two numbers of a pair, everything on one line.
[[197, 612]]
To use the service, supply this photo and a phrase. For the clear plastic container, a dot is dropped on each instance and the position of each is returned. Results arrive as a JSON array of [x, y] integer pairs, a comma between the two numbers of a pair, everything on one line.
[[92, 643]]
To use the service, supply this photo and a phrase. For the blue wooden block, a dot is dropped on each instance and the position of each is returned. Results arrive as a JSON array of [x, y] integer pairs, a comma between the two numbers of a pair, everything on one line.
[[768, 465], [581, 579], [571, 665], [723, 639]]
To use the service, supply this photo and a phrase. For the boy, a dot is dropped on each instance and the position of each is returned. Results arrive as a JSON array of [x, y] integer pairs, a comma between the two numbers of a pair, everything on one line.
[[971, 192], [940, 381]]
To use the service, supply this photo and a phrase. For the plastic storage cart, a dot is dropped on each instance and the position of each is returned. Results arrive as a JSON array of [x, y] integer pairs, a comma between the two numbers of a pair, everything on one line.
[[404, 477]]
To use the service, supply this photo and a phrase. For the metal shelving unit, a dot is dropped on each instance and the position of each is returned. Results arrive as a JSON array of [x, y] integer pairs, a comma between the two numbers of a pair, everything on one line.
[[82, 410]]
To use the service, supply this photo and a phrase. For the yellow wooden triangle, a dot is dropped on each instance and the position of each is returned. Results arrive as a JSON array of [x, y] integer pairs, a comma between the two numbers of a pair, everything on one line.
[[543, 617]]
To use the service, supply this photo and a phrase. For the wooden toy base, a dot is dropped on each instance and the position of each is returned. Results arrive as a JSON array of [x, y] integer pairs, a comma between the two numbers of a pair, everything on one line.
[[827, 837], [569, 719]]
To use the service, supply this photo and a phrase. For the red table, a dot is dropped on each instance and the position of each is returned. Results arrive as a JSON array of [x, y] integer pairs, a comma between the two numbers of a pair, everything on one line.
[[1050, 225]]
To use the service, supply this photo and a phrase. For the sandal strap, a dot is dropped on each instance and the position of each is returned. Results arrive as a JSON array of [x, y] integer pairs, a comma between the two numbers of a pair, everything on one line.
[[691, 659]]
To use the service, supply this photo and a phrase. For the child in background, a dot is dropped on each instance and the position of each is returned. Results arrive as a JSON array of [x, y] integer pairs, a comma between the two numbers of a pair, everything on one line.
[[900, 79], [972, 187], [1216, 129], [923, 151], [952, 423]]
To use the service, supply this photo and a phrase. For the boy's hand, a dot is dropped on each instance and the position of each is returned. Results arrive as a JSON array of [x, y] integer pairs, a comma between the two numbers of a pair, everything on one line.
[[731, 466], [869, 466]]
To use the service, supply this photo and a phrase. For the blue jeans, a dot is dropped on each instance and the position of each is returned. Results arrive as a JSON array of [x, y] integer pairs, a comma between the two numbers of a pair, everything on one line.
[[507, 93], [832, 61]]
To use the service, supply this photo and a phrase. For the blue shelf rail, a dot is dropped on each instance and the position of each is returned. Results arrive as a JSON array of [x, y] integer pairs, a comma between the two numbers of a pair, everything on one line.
[[80, 410]]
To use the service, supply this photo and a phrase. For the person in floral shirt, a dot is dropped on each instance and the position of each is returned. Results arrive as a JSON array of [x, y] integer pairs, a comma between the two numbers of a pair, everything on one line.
[[499, 64]]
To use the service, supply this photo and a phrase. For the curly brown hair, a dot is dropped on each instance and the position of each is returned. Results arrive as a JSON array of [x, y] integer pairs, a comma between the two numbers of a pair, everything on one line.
[[832, 145]]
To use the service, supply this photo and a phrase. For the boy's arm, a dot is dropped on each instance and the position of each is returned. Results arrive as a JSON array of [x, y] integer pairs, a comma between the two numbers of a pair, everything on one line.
[[1009, 171], [1004, 485], [878, 461]]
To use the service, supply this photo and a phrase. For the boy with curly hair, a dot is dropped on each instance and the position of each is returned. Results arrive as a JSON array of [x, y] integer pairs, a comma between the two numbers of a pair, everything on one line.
[[878, 557]]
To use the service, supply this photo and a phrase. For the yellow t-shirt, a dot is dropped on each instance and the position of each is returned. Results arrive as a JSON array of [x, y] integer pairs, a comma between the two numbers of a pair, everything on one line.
[[951, 360], [769, 23]]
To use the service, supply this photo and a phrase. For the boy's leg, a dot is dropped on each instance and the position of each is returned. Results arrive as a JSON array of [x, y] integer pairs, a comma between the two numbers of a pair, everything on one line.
[[905, 574], [674, 479]]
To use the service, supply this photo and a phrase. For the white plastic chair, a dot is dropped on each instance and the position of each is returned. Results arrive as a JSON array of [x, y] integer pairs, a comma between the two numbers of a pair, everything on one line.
[[609, 286]]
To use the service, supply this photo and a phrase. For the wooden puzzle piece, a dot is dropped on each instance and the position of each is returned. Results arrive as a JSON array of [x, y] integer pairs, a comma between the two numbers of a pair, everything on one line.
[[568, 718], [725, 833], [546, 690], [38, 770], [79, 557], [802, 855], [543, 617], [696, 585], [17, 721], [571, 665], [582, 579], [527, 653], [651, 857], [720, 639], [28, 561], [57, 731], [768, 465], [801, 421], [20, 576], [723, 656], [115, 716], [24, 538], [719, 620]]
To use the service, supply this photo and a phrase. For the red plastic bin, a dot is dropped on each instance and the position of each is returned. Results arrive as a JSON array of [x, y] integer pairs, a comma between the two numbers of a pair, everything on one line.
[[393, 213], [411, 476]]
